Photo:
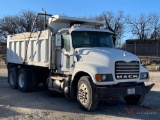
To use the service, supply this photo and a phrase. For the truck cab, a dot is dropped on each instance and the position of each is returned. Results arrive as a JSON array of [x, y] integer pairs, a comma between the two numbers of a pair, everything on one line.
[[88, 53]]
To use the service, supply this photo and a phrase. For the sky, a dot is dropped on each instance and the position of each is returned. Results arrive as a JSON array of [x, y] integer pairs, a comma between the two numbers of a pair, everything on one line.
[[80, 8]]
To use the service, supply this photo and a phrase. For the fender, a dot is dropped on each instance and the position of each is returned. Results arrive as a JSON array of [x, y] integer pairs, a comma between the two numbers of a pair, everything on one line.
[[143, 69], [91, 69]]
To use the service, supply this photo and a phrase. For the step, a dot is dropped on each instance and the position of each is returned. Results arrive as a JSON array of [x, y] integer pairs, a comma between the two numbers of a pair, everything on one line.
[[57, 78]]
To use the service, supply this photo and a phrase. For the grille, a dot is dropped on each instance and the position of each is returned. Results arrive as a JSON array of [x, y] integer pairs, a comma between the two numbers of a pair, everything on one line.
[[127, 70]]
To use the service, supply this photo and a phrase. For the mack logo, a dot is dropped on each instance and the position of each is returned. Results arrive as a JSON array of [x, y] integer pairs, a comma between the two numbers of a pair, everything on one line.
[[127, 76]]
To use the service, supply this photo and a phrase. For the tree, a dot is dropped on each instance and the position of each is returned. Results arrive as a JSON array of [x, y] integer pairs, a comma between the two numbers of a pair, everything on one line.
[[19, 23], [26, 21], [114, 22], [140, 26], [155, 26], [7, 25]]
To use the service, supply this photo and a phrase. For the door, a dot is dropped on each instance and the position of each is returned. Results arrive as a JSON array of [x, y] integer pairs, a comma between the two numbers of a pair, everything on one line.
[[65, 54]]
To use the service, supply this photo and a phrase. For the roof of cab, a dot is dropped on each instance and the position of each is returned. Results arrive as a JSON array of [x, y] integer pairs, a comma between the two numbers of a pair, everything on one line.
[[73, 20], [89, 29]]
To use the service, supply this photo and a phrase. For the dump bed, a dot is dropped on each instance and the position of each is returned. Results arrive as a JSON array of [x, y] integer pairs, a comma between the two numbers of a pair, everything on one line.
[[30, 51]]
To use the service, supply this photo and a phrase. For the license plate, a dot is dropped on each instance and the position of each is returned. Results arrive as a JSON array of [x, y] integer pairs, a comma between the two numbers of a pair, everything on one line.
[[131, 91]]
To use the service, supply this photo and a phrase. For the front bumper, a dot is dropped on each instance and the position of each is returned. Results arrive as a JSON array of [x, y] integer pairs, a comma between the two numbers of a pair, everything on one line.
[[117, 92]]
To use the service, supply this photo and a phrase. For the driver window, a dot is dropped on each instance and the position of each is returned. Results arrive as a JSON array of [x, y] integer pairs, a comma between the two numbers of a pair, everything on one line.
[[66, 42]]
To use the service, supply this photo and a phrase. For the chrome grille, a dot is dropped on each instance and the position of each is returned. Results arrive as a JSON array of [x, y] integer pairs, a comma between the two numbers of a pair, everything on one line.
[[127, 70]]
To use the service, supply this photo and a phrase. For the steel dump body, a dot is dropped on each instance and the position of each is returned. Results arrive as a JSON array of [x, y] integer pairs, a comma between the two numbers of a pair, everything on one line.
[[35, 48], [32, 51]]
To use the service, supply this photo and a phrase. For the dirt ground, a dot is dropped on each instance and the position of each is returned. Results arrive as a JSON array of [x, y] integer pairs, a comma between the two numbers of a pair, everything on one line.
[[41, 105]]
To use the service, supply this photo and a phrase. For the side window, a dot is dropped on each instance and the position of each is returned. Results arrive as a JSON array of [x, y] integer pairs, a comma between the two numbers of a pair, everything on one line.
[[66, 42]]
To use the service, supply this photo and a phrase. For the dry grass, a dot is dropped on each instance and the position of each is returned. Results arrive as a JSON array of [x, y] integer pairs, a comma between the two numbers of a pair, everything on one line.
[[153, 67]]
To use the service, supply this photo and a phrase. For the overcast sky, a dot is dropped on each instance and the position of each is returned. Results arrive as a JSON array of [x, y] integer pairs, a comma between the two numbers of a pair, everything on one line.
[[80, 8]]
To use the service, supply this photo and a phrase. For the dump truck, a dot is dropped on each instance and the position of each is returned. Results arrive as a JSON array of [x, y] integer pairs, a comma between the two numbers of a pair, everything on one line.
[[76, 57]]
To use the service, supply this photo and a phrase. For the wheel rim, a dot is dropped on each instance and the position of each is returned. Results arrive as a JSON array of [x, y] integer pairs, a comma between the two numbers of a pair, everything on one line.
[[21, 80], [83, 94], [11, 76]]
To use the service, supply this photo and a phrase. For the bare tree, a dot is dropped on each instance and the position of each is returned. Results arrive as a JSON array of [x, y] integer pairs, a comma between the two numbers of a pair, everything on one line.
[[19, 23], [140, 26], [155, 19], [8, 25], [27, 19], [114, 22]]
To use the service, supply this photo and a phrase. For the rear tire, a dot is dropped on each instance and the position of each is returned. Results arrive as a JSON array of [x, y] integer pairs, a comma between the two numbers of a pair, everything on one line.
[[86, 94], [134, 99], [12, 77], [24, 80]]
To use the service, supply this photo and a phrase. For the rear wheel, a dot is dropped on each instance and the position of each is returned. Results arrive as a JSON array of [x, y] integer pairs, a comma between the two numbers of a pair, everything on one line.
[[12, 77], [24, 80], [86, 94], [134, 99]]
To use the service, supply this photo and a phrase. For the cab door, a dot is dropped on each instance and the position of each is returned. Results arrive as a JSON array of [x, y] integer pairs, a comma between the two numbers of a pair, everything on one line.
[[66, 49], [65, 57]]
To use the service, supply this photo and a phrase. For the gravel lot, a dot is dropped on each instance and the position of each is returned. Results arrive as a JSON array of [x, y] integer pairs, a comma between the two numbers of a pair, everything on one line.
[[41, 105]]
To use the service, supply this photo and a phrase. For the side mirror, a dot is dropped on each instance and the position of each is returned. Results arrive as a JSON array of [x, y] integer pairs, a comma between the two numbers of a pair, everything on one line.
[[58, 40]]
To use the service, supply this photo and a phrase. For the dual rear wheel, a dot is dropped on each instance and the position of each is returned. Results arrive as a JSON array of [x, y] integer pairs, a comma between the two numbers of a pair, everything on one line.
[[12, 77], [23, 79]]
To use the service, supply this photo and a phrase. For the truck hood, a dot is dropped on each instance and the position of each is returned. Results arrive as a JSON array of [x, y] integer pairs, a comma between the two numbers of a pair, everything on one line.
[[104, 56]]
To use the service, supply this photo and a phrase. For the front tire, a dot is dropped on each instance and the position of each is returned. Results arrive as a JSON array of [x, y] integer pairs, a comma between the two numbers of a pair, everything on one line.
[[24, 80], [86, 94], [134, 99]]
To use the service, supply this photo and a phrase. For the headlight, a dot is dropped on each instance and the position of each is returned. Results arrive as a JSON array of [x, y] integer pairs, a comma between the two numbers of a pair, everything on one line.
[[144, 75], [104, 77]]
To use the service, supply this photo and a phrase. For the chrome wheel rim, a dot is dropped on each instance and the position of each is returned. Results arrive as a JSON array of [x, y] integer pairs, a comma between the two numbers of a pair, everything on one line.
[[21, 80], [11, 76], [83, 94]]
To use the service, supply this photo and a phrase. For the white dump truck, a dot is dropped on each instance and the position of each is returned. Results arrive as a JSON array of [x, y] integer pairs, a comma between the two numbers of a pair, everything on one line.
[[76, 57]]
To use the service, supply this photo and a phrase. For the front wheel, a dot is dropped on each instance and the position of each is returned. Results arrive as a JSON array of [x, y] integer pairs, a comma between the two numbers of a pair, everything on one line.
[[86, 94], [134, 99]]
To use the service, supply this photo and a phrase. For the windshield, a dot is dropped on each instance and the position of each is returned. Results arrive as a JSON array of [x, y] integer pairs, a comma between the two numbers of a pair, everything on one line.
[[91, 39]]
